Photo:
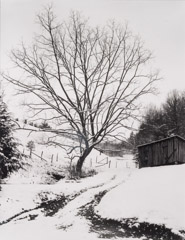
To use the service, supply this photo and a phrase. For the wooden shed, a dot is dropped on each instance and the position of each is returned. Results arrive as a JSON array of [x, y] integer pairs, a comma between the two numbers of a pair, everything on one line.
[[166, 151]]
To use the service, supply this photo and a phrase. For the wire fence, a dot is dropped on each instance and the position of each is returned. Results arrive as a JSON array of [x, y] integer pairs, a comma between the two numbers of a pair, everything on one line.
[[98, 162]]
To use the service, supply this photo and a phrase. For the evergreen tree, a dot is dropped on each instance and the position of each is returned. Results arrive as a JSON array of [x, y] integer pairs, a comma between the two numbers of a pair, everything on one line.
[[9, 154]]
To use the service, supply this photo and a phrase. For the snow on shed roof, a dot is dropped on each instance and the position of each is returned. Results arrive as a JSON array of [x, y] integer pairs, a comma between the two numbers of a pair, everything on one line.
[[161, 140]]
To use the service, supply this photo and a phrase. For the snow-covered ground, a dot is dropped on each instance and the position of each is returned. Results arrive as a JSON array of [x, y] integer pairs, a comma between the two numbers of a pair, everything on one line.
[[151, 195], [16, 198], [154, 195], [26, 189]]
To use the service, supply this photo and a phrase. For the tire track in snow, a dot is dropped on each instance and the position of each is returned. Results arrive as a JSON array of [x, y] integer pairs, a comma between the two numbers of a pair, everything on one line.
[[69, 215], [50, 207]]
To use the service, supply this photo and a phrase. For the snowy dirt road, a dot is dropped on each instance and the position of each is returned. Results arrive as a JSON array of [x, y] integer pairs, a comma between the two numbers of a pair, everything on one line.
[[66, 211], [45, 211]]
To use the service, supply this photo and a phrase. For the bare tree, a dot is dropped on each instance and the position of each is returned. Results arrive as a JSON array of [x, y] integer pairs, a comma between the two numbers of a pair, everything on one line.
[[174, 113], [90, 78]]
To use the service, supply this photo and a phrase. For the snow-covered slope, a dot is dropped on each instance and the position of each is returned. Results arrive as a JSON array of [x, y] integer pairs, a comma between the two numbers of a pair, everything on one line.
[[154, 195], [47, 160]]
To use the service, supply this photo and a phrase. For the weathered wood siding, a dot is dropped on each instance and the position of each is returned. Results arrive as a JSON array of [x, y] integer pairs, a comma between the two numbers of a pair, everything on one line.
[[164, 152], [181, 151]]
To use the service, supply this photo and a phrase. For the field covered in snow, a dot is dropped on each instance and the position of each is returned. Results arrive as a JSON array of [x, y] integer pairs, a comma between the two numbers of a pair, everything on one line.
[[33, 205], [154, 195]]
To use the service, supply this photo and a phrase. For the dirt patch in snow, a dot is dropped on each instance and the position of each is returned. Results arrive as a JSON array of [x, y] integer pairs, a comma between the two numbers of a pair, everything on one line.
[[48, 207]]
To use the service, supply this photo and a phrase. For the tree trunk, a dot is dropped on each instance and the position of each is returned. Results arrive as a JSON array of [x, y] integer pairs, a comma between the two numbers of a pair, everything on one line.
[[81, 161]]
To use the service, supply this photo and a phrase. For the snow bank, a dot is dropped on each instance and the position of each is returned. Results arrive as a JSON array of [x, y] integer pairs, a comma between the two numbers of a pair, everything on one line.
[[154, 195]]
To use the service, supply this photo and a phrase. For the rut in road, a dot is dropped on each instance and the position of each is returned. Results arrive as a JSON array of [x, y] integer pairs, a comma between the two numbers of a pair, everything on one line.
[[70, 213], [48, 207]]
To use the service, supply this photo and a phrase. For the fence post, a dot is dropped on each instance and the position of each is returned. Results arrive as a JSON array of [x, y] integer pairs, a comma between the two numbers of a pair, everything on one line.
[[52, 158], [109, 163], [41, 155]]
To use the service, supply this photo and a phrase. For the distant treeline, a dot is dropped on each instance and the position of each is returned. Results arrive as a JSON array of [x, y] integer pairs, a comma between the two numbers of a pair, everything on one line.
[[159, 123]]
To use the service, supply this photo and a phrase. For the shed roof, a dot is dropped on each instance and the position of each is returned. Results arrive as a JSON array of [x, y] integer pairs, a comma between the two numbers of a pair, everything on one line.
[[161, 140]]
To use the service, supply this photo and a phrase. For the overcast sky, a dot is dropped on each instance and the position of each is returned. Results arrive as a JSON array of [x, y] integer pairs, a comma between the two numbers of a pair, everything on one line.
[[161, 24]]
